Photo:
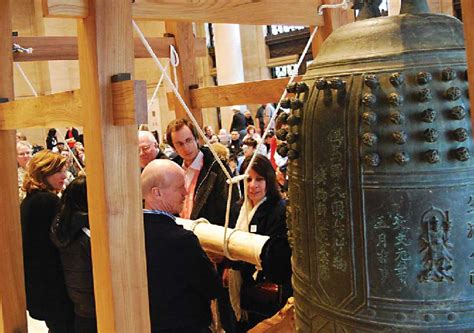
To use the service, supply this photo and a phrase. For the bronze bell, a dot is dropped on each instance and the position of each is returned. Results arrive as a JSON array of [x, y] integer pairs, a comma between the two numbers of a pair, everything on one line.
[[382, 185]]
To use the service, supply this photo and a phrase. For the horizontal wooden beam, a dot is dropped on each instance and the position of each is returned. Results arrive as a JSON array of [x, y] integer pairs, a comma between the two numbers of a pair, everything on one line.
[[256, 92], [261, 12], [56, 110], [65, 48]]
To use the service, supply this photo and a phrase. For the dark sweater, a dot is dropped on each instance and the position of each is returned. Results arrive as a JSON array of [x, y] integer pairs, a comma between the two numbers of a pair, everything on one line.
[[181, 278], [46, 295]]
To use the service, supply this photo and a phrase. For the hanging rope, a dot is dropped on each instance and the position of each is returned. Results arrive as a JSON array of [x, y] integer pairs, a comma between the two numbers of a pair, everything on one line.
[[33, 90]]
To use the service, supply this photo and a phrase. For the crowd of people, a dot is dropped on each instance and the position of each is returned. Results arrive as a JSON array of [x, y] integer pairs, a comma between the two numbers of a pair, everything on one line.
[[180, 178]]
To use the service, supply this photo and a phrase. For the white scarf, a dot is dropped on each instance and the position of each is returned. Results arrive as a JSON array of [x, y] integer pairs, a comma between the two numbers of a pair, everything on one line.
[[235, 278]]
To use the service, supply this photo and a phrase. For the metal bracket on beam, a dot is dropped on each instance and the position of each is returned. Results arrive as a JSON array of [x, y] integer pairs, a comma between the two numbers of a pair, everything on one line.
[[129, 100]]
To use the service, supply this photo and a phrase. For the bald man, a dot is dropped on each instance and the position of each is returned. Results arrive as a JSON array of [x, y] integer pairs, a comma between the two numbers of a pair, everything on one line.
[[148, 148], [181, 278]]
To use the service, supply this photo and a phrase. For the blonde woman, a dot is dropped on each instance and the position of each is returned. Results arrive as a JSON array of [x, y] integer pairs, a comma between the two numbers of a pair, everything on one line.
[[46, 294]]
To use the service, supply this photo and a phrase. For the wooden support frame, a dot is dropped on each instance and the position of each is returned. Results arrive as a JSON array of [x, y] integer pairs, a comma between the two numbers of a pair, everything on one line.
[[467, 7], [114, 192], [256, 92], [303, 12], [65, 48], [12, 287]]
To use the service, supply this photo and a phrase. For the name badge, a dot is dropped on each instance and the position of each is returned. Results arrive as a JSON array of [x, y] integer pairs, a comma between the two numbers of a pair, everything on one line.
[[253, 228]]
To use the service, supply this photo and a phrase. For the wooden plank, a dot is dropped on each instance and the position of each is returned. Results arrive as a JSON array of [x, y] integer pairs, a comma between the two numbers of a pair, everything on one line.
[[333, 19], [256, 92], [186, 73], [12, 287], [129, 102], [114, 191], [262, 12], [467, 7], [56, 110], [66, 8], [65, 48]]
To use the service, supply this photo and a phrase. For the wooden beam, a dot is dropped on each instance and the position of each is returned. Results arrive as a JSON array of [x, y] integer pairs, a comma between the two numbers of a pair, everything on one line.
[[256, 92], [186, 73], [467, 7], [129, 102], [333, 19], [56, 110], [65, 48], [262, 12], [114, 191], [12, 287]]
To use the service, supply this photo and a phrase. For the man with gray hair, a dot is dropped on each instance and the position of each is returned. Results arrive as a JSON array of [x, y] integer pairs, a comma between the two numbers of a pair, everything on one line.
[[181, 278], [148, 148]]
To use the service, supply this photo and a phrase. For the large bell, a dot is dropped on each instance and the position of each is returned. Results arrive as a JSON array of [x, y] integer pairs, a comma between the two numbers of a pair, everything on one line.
[[382, 181]]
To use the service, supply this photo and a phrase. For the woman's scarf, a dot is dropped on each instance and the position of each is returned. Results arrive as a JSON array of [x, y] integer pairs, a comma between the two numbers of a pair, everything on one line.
[[235, 278]]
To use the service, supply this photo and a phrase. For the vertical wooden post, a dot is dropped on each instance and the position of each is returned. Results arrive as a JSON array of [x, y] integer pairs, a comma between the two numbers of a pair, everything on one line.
[[186, 71], [12, 286], [333, 19], [467, 7], [114, 191]]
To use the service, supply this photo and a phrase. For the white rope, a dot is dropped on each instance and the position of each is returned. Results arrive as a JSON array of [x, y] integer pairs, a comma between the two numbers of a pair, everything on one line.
[[344, 5], [33, 90], [283, 96], [28, 82], [174, 59], [155, 92]]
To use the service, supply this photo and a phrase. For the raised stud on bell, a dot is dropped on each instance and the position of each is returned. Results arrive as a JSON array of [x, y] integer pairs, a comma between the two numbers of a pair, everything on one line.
[[397, 79], [458, 112], [293, 154], [291, 88], [371, 81], [395, 99], [293, 120], [430, 135], [462, 154], [453, 94], [285, 103], [424, 95], [281, 134], [337, 83], [282, 149], [369, 118], [301, 87], [400, 137], [397, 117], [372, 159], [369, 100], [322, 84], [369, 139], [460, 134], [448, 74], [428, 115], [432, 156], [292, 138], [295, 104], [401, 158], [423, 78], [283, 118]]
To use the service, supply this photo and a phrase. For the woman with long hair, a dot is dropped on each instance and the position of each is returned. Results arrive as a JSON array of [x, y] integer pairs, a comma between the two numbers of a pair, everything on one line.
[[258, 293], [46, 295], [70, 233]]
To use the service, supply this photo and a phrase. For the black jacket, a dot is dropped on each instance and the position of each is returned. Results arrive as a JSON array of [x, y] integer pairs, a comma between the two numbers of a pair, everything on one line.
[[181, 278], [270, 220], [238, 122], [75, 250], [210, 195], [46, 295]]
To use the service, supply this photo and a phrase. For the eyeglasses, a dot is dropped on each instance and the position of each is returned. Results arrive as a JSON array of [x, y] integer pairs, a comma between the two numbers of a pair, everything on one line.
[[185, 143], [144, 148], [26, 153]]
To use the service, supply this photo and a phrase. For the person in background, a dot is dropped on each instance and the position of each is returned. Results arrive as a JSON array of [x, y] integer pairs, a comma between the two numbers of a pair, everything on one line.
[[238, 122], [46, 294], [224, 137], [257, 293], [260, 122], [23, 156], [221, 151], [71, 136], [51, 139], [148, 148], [210, 135], [282, 178], [248, 118], [252, 133], [181, 278], [235, 145], [70, 171], [70, 233]]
